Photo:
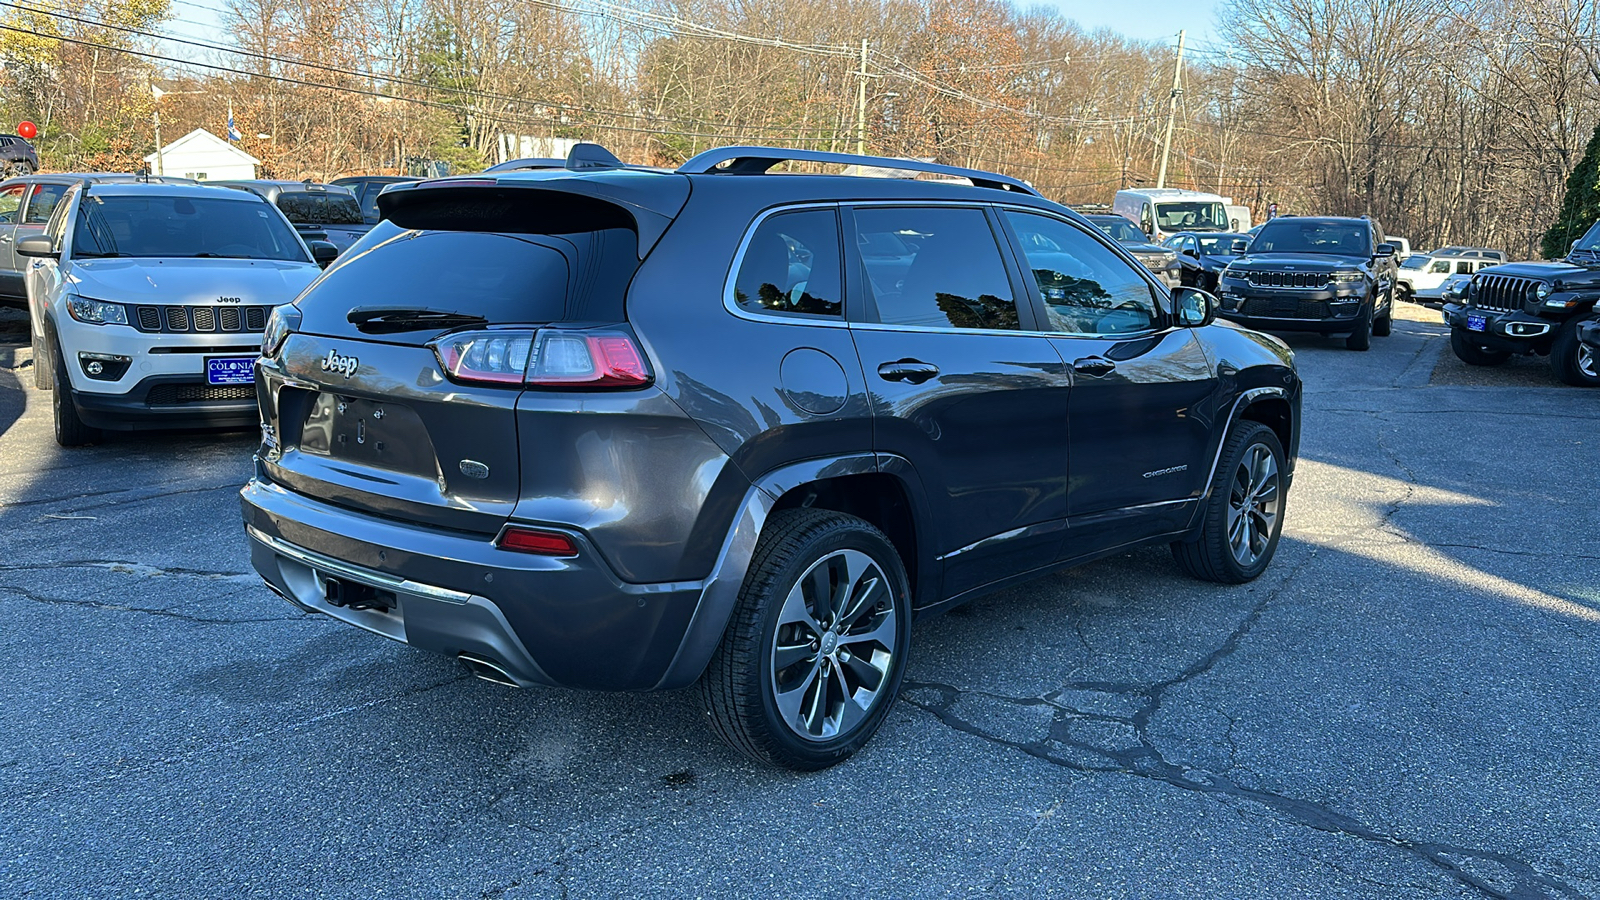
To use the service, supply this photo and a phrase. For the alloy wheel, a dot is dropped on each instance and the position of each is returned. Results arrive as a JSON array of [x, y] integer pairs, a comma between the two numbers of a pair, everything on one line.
[[834, 646], [1586, 362], [1253, 504]]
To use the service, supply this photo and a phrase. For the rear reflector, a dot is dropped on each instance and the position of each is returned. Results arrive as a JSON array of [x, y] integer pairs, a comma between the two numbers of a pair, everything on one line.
[[535, 540]]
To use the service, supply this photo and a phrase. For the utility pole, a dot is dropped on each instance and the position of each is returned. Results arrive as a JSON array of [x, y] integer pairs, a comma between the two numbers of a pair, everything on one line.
[[861, 103], [1172, 113], [156, 107]]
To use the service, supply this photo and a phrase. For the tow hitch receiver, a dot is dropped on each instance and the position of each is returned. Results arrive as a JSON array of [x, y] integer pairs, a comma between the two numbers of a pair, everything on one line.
[[354, 595]]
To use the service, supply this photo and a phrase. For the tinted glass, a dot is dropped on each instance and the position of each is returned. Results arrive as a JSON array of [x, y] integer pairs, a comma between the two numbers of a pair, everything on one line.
[[149, 225], [1463, 268], [792, 266], [1086, 288], [1197, 215], [934, 267], [1314, 236], [1590, 241], [42, 203], [524, 279], [1442, 265], [309, 208], [1415, 262], [1120, 229], [1221, 244], [10, 201]]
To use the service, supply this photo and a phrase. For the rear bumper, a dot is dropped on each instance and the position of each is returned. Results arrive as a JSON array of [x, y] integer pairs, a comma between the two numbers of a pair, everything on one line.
[[539, 620], [1511, 332]]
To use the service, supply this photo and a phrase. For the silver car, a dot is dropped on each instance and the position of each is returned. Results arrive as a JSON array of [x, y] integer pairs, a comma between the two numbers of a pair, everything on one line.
[[148, 302]]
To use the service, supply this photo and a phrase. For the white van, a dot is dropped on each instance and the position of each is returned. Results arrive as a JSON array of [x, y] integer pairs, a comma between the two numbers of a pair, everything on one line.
[[1163, 212], [1238, 218]]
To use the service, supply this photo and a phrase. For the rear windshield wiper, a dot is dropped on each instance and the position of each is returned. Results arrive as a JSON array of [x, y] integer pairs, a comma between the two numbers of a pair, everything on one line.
[[394, 319]]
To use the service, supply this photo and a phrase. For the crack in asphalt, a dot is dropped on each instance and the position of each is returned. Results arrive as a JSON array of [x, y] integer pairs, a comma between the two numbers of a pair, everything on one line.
[[211, 751], [36, 597], [1145, 760], [125, 567]]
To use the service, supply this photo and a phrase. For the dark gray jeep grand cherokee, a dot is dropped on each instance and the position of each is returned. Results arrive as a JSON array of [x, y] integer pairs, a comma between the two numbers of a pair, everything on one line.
[[629, 429]]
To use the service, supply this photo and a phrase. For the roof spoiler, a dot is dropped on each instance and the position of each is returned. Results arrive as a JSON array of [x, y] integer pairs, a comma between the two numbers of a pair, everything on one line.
[[758, 160]]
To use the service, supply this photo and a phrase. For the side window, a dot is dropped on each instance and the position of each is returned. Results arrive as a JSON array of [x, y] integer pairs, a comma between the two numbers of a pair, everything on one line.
[[1463, 268], [43, 203], [1086, 288], [10, 202], [792, 266], [57, 226], [1442, 266], [935, 267]]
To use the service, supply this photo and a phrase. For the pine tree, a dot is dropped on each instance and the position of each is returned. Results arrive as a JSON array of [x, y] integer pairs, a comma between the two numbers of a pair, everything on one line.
[[1581, 206]]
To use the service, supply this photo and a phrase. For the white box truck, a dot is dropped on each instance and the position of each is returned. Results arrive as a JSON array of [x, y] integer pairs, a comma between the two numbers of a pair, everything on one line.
[[1163, 212]]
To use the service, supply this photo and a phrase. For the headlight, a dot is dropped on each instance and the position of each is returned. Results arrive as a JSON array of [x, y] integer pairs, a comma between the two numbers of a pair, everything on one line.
[[96, 312], [282, 323], [1542, 291], [1348, 277]]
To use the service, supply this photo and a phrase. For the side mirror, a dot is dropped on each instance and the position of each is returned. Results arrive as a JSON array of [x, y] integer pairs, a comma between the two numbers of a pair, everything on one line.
[[37, 246], [323, 252], [1384, 250], [1191, 253], [1241, 247], [1192, 307]]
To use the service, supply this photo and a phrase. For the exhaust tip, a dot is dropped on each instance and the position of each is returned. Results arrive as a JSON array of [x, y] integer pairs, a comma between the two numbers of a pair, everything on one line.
[[486, 669]]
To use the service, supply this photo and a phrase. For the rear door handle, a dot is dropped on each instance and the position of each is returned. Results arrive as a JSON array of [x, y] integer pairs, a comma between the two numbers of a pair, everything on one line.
[[1094, 365], [913, 370]]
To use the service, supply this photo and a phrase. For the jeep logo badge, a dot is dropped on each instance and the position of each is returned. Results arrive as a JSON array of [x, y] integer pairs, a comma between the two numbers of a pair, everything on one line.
[[344, 365]]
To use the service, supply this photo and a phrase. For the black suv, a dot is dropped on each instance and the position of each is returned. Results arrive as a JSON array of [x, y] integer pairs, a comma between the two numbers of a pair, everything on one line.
[[629, 429], [320, 212], [17, 156], [1531, 307], [1319, 274]]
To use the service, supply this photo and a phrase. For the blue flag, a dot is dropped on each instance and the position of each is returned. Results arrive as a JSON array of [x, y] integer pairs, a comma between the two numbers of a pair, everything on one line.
[[233, 133]]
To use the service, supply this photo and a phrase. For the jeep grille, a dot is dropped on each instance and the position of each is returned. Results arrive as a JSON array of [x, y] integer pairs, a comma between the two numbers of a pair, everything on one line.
[[201, 319], [1502, 292], [1288, 279]]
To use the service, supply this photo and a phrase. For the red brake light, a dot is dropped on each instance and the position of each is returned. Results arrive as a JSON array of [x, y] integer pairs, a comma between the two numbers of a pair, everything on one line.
[[536, 540]]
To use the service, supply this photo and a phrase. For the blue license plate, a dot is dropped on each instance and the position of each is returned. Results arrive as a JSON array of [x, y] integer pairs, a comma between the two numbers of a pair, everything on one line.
[[1477, 323], [231, 370]]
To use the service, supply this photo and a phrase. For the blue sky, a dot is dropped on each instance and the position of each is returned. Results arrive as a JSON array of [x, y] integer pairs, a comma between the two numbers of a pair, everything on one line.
[[1144, 19]]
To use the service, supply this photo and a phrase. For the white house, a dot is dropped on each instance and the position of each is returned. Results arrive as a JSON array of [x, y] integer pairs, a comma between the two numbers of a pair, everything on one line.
[[203, 156]]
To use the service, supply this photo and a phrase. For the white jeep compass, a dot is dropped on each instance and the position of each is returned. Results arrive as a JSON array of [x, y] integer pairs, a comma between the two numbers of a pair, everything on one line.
[[148, 303]]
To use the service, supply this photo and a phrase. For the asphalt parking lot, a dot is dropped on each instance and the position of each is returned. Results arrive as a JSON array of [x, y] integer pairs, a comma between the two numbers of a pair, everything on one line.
[[1405, 705]]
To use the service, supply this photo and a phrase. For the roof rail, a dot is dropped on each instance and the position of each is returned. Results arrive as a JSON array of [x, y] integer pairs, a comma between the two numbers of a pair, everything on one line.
[[757, 160]]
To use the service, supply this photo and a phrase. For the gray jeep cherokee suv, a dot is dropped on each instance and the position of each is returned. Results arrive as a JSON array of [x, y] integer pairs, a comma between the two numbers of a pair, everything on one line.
[[630, 429]]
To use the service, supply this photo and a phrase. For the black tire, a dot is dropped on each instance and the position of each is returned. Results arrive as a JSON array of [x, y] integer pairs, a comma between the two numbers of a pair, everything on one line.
[[1401, 292], [1211, 554], [1473, 353], [1384, 324], [1361, 338], [19, 169], [1573, 362], [741, 686], [70, 430]]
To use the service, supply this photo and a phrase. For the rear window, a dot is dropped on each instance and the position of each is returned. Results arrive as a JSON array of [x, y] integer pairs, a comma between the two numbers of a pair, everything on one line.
[[504, 278], [309, 208]]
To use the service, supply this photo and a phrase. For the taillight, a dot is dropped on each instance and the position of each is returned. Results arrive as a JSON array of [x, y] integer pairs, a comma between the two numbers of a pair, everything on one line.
[[547, 357], [536, 540], [493, 356]]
